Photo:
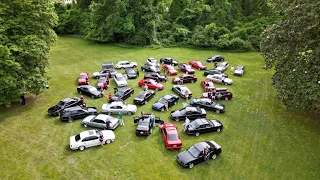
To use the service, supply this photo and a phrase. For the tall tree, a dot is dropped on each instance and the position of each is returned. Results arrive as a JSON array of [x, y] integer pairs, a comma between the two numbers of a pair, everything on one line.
[[292, 46], [25, 38]]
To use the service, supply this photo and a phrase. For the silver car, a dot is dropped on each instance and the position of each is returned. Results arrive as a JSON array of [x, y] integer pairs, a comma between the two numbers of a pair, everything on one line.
[[219, 78], [101, 121], [120, 80], [153, 62], [223, 66], [119, 106]]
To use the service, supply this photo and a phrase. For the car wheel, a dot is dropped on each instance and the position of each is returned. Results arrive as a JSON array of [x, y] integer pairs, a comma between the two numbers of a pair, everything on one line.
[[81, 148], [130, 113], [80, 92], [85, 125], [177, 119], [214, 156], [192, 81], [108, 141], [191, 165], [162, 109], [92, 96], [226, 98], [197, 134], [218, 111], [175, 103], [218, 130], [70, 119], [225, 83], [145, 102], [143, 69], [162, 62]]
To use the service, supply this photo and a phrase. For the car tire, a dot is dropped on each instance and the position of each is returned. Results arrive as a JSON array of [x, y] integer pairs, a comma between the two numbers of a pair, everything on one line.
[[226, 98], [108, 141], [192, 81], [85, 125], [130, 113], [70, 119], [214, 156], [190, 165], [80, 92], [177, 119], [81, 148], [145, 102], [197, 134], [218, 130], [162, 109], [92, 96], [217, 111], [199, 69], [226, 84]]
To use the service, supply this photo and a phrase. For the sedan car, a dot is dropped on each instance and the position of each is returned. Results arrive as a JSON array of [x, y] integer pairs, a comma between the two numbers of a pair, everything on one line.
[[239, 71], [152, 84], [218, 78], [90, 138], [223, 66], [214, 71], [83, 78], [170, 136], [155, 76], [101, 121], [89, 91], [150, 68], [77, 112], [191, 113], [122, 94], [185, 78], [143, 97], [186, 68], [171, 99], [119, 106], [168, 60], [208, 104], [195, 154], [126, 64], [131, 74], [168, 69], [120, 80], [103, 83], [201, 126], [216, 58], [105, 73], [153, 62], [198, 65], [183, 91], [145, 125], [224, 93], [65, 103], [208, 85]]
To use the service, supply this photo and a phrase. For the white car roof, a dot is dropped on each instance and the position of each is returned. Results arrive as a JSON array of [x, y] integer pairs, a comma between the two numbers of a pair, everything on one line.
[[102, 117], [118, 103], [123, 62], [88, 133]]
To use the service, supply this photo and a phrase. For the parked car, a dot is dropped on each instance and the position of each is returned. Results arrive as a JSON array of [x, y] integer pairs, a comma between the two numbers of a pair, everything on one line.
[[103, 83], [101, 121], [119, 106], [239, 71], [155, 76], [90, 138], [170, 136], [208, 104], [216, 58], [107, 65], [214, 71], [105, 73], [218, 78], [131, 73], [77, 112], [152, 84], [83, 78], [224, 92], [223, 66], [122, 94], [120, 80], [201, 126], [185, 78], [182, 91], [198, 65], [65, 103], [186, 68], [143, 97], [195, 154], [168, 60], [191, 113], [168, 69], [171, 99], [150, 68], [208, 85], [89, 91], [126, 64], [153, 62], [145, 125]]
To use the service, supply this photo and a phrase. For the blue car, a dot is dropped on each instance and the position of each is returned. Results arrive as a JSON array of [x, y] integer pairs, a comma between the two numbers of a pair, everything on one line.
[[171, 99]]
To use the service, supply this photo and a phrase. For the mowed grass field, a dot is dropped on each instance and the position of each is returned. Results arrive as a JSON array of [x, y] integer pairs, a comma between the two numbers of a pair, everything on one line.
[[260, 139]]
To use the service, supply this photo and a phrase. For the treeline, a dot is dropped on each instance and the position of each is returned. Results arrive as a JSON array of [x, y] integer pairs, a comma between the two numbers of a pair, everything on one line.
[[219, 24]]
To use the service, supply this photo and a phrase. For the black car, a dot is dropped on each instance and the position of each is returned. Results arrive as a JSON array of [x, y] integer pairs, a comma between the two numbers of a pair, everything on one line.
[[68, 102], [150, 68], [145, 125], [191, 113], [122, 94], [143, 97], [214, 71], [208, 104], [160, 105], [89, 91], [182, 90], [155, 76], [216, 58], [168, 60], [195, 154], [131, 74], [201, 126], [77, 112]]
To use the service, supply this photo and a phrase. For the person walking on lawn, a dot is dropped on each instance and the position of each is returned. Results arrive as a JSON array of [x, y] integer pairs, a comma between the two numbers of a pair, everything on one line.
[[120, 119]]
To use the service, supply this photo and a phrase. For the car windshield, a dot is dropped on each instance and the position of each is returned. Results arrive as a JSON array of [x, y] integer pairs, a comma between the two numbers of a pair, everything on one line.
[[141, 96], [101, 80], [197, 62], [153, 82], [93, 89], [173, 137], [61, 103], [170, 68], [77, 137], [194, 151], [144, 123], [163, 100], [83, 76], [188, 66], [119, 94], [194, 124], [121, 78], [153, 61]]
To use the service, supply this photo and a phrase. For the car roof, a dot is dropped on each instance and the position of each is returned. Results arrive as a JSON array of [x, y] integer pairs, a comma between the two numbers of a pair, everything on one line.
[[103, 117], [73, 108], [83, 73], [124, 89], [201, 145], [87, 86], [88, 133], [69, 99], [118, 103]]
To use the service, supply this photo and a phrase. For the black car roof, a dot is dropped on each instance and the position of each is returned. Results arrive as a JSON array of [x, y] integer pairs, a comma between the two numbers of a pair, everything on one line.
[[201, 145], [73, 108], [124, 89]]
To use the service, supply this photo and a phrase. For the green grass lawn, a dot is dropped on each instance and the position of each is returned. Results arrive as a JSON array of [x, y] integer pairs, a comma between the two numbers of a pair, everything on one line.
[[260, 140]]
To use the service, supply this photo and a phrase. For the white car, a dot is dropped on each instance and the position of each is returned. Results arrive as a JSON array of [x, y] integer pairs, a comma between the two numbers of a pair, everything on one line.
[[126, 64], [104, 73], [120, 80], [223, 66], [101, 121], [153, 62], [119, 106], [239, 71], [219, 78], [90, 138]]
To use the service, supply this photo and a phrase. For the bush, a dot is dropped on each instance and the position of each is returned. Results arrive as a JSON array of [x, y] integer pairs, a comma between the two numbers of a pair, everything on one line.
[[239, 44]]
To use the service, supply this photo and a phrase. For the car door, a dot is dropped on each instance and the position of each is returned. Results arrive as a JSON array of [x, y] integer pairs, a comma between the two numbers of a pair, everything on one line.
[[93, 141], [86, 142], [81, 113], [97, 123], [178, 90], [165, 136]]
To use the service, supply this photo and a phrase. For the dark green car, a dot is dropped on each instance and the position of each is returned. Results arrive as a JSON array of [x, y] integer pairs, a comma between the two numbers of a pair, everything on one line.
[[214, 71]]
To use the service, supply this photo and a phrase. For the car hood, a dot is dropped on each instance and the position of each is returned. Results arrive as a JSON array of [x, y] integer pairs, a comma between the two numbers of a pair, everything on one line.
[[82, 80], [96, 74], [54, 109], [131, 107], [138, 99], [175, 113], [158, 105], [88, 118], [228, 80], [97, 93], [131, 75], [142, 128], [185, 157], [219, 106], [173, 71], [190, 70]]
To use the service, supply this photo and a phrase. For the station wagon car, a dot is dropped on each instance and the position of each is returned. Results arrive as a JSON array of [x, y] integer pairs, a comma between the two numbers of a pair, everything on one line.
[[125, 64], [101, 121]]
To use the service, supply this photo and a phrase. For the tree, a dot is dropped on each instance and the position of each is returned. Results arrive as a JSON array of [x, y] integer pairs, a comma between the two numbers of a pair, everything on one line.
[[292, 46], [26, 35]]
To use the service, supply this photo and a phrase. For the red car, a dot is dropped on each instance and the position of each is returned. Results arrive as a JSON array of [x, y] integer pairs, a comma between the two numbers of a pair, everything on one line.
[[152, 84], [186, 68], [83, 78], [103, 83], [170, 136], [169, 70], [208, 85], [198, 65], [224, 94], [185, 78]]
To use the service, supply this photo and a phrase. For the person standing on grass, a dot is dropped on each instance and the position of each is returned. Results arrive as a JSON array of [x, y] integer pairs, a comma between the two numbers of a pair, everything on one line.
[[23, 100], [120, 118], [219, 96], [101, 138], [186, 94], [152, 118], [232, 69], [166, 105], [137, 70], [110, 96], [145, 87]]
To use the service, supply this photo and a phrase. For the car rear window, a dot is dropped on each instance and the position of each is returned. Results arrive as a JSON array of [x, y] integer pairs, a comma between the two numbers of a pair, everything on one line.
[[173, 137], [77, 137]]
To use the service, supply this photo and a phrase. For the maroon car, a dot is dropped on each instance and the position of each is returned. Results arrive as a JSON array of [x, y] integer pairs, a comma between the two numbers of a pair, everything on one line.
[[186, 68], [224, 94], [185, 78]]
